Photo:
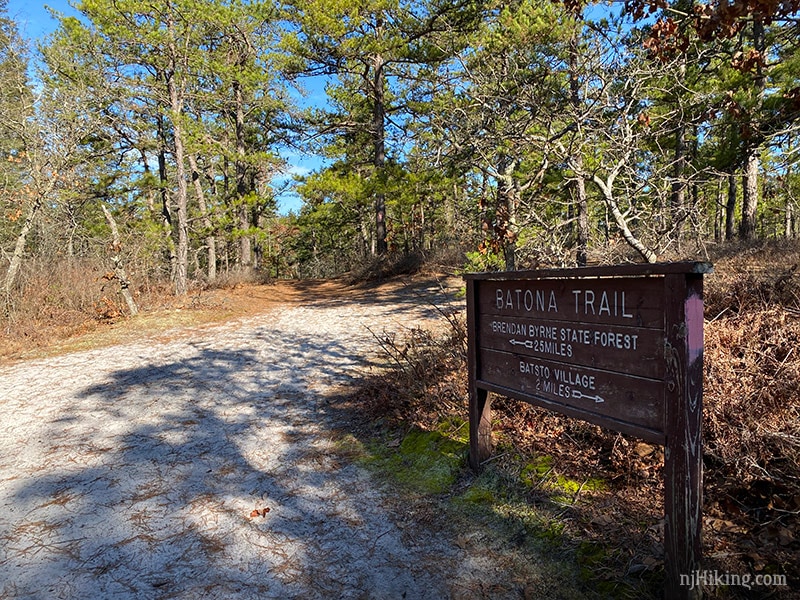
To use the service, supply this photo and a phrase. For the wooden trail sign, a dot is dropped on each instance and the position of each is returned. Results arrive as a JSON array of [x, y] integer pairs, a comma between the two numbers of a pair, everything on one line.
[[621, 347]]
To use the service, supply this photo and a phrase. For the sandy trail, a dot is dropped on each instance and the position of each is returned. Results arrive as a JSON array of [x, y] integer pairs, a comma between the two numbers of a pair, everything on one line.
[[134, 471]]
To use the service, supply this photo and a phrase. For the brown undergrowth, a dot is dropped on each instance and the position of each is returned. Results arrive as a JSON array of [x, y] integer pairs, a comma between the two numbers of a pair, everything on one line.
[[72, 304], [752, 411], [751, 434], [62, 299]]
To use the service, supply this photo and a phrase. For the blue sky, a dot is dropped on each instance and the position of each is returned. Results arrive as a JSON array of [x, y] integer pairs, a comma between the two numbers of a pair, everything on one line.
[[35, 23], [32, 17]]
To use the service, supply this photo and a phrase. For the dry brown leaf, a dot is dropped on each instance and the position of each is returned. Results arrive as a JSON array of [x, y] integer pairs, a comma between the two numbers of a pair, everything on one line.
[[643, 449], [724, 526]]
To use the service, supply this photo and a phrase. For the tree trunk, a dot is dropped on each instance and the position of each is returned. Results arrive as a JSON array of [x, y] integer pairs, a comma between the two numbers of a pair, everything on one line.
[[581, 255], [182, 193], [116, 260], [747, 227], [379, 144], [622, 224], [790, 216], [149, 198], [19, 251], [211, 241], [166, 213], [678, 192], [577, 159], [507, 203], [730, 208], [718, 206], [450, 211], [678, 195], [242, 190], [581, 201]]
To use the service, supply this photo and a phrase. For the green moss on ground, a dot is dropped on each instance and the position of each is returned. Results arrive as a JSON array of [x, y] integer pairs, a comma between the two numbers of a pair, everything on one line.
[[539, 473], [426, 462]]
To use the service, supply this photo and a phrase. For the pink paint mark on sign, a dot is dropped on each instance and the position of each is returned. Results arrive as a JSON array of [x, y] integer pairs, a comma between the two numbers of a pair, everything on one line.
[[693, 308]]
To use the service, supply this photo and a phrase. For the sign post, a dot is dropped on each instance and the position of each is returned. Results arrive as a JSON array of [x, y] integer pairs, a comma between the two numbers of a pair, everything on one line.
[[621, 347]]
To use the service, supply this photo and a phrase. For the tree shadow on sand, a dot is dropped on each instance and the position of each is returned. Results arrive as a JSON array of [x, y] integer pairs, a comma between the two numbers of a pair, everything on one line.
[[206, 475]]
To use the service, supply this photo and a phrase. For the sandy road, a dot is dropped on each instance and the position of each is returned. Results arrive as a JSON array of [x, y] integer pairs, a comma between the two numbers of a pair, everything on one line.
[[136, 471]]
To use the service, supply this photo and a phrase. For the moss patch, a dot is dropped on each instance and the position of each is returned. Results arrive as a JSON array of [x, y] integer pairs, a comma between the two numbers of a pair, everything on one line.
[[454, 428], [537, 470], [426, 462], [478, 495], [539, 473], [350, 447]]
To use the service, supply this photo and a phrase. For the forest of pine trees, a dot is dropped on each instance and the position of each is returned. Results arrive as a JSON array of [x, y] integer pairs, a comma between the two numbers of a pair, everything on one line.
[[152, 142]]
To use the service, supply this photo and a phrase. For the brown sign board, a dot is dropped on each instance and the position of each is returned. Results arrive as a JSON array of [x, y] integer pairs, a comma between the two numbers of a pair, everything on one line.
[[589, 348], [617, 346]]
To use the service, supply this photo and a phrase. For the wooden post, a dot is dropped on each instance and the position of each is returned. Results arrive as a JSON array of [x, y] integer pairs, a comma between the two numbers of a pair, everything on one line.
[[480, 405], [480, 428], [683, 464]]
